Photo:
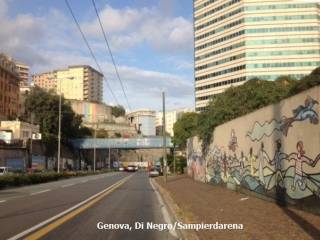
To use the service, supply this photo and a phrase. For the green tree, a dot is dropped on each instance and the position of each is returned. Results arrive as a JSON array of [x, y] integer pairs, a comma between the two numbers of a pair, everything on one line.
[[118, 111], [102, 133], [306, 82], [44, 106], [185, 128], [241, 100]]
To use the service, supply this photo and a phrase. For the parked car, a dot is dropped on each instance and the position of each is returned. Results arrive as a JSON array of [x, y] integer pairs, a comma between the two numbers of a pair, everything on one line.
[[121, 169], [159, 169], [4, 170], [137, 168], [153, 172], [131, 168]]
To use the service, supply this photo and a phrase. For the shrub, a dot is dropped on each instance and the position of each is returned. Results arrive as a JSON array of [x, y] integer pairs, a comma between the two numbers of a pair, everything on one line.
[[13, 180]]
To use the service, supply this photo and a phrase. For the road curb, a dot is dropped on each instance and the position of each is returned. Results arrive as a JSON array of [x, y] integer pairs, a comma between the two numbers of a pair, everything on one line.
[[175, 211]]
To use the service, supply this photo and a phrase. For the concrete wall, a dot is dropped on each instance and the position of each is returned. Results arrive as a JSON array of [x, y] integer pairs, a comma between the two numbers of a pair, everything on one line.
[[92, 112], [274, 151]]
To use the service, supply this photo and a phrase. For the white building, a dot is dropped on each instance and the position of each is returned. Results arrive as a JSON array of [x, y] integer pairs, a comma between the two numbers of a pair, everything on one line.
[[171, 119], [239, 40], [144, 121]]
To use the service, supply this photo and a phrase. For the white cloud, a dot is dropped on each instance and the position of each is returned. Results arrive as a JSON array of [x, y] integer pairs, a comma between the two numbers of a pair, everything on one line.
[[17, 35], [144, 87], [51, 42], [129, 27]]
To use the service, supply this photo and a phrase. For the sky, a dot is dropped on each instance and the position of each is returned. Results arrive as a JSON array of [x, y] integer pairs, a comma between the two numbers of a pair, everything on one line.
[[151, 40]]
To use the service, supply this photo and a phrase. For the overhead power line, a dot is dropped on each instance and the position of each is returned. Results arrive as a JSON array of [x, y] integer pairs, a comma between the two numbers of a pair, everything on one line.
[[110, 52], [90, 49]]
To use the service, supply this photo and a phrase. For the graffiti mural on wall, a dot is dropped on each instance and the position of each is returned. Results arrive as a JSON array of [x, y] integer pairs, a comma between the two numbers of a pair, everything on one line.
[[301, 113], [195, 162], [261, 173], [259, 169]]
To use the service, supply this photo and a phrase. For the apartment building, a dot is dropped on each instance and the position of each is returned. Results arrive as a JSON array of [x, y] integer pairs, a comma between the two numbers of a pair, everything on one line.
[[171, 118], [238, 40], [80, 82], [9, 88], [23, 72], [47, 80]]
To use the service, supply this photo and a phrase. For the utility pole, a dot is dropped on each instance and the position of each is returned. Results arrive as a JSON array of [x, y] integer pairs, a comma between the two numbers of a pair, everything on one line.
[[59, 129], [94, 147], [109, 158], [174, 159], [164, 135], [30, 150]]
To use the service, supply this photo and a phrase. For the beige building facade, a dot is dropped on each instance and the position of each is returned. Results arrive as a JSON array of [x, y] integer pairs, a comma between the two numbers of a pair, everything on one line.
[[21, 130], [47, 80], [238, 40], [23, 71], [171, 119], [80, 82]]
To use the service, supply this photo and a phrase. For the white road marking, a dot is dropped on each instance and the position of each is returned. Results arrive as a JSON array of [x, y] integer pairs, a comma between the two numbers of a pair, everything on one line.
[[41, 224], [68, 185], [43, 191], [164, 211], [2, 201]]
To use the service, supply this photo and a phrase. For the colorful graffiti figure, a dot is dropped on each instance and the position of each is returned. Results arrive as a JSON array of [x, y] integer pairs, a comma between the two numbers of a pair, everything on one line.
[[241, 164], [277, 161], [263, 157], [225, 165], [197, 165], [301, 113], [251, 160], [299, 159], [233, 143]]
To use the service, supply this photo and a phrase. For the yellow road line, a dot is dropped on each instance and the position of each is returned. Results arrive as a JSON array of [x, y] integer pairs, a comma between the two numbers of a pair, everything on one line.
[[45, 230]]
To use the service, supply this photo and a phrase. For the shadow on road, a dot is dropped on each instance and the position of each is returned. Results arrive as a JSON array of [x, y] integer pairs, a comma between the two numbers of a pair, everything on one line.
[[312, 231], [175, 178]]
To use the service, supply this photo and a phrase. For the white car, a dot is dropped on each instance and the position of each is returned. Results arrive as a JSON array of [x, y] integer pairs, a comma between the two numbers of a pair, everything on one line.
[[4, 170], [153, 172], [121, 169], [131, 168]]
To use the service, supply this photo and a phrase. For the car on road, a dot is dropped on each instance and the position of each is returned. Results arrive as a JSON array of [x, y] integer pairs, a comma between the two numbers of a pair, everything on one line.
[[159, 169], [121, 169], [131, 168], [153, 172]]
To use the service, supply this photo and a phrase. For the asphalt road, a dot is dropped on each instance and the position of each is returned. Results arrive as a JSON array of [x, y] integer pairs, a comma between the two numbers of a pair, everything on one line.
[[132, 200]]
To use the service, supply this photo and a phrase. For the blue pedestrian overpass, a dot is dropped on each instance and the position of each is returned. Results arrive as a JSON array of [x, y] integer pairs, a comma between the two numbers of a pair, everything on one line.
[[121, 143]]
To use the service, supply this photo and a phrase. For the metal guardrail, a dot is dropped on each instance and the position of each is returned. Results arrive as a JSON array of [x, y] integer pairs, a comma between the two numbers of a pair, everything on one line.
[[120, 143]]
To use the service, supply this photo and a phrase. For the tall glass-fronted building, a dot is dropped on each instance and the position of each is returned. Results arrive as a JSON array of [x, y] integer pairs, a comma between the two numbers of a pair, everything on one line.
[[237, 40]]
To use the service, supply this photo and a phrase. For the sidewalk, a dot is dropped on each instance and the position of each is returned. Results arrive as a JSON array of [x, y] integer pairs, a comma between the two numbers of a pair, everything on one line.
[[201, 202]]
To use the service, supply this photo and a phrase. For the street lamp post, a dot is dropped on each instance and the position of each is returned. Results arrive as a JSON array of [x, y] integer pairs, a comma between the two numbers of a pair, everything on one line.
[[94, 147], [59, 129], [59, 125], [164, 136]]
